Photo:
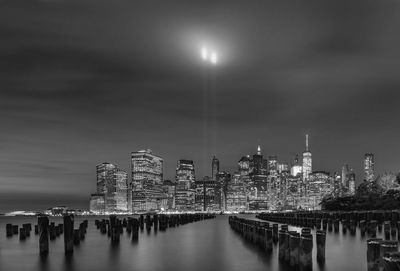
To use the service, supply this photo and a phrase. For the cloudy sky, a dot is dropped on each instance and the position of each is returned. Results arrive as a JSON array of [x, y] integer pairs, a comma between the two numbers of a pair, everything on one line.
[[83, 82]]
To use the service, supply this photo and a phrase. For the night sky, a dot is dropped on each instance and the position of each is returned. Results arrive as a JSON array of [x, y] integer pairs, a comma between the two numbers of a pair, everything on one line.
[[84, 82]]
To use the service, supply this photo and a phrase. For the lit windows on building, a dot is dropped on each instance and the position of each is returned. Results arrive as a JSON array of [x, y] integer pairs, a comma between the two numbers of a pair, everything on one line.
[[147, 169], [185, 174], [369, 167]]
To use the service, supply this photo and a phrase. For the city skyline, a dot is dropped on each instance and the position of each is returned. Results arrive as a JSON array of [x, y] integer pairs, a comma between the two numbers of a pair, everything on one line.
[[85, 83]]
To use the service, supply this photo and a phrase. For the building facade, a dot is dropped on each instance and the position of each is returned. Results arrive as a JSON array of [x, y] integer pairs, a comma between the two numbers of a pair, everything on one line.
[[369, 167]]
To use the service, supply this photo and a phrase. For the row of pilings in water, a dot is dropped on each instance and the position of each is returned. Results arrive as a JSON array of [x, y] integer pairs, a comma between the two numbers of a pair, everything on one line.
[[382, 254], [295, 248], [50, 231], [112, 226]]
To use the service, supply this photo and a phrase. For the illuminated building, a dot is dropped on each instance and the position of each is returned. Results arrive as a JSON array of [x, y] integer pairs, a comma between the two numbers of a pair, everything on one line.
[[147, 169], [369, 167], [236, 198], [223, 179], [169, 188], [282, 167], [206, 199], [149, 200], [337, 185], [97, 203], [307, 161], [352, 183], [318, 187], [185, 175], [121, 195], [185, 200], [273, 165], [214, 168], [244, 165], [113, 183], [296, 168], [345, 177], [348, 180]]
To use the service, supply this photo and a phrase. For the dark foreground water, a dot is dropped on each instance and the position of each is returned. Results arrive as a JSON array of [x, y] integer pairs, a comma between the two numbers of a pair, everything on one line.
[[205, 245]]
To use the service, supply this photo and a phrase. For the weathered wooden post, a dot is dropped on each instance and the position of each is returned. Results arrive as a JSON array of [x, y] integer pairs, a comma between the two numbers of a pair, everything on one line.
[[269, 239], [135, 229], [275, 233], [373, 254], [141, 221], [282, 244], [305, 258], [294, 243], [391, 261], [9, 230], [155, 218], [386, 247], [386, 229], [22, 234], [15, 229], [321, 240], [43, 224], [68, 234], [336, 225]]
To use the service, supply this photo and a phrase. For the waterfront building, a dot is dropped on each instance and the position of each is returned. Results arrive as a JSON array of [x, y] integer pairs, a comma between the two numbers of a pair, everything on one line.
[[244, 165], [223, 179], [206, 198], [147, 169], [369, 167], [318, 187], [282, 167], [296, 168], [273, 165], [185, 174], [307, 162], [236, 197], [97, 203], [214, 168], [112, 182], [352, 183], [185, 200]]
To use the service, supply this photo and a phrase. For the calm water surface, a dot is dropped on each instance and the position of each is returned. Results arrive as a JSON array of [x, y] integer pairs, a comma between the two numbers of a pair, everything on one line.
[[204, 245]]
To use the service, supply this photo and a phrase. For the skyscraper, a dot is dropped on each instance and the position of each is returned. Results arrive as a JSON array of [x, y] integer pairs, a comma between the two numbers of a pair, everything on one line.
[[307, 161], [345, 176], [112, 182], [244, 165], [296, 168], [185, 174], [273, 165], [214, 168], [147, 169], [369, 168]]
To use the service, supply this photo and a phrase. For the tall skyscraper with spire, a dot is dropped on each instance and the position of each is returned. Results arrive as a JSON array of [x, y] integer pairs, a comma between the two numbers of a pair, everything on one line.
[[214, 168], [307, 161]]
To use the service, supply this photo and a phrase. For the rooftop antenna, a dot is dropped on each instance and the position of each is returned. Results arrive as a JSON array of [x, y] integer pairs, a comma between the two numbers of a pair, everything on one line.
[[307, 149]]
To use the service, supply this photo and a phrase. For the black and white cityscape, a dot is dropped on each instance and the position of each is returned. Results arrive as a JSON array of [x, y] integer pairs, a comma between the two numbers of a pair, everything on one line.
[[199, 135]]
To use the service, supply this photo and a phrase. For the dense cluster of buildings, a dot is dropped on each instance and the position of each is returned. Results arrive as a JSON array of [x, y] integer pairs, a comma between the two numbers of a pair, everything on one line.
[[259, 183]]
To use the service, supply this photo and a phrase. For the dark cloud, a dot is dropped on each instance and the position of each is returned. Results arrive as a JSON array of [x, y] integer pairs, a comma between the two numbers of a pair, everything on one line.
[[83, 82]]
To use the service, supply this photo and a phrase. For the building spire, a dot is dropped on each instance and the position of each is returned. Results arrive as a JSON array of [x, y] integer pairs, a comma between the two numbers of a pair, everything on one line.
[[307, 148]]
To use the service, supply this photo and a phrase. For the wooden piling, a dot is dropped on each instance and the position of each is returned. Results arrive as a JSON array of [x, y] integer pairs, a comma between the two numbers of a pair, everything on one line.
[[68, 234], [43, 224], [321, 241]]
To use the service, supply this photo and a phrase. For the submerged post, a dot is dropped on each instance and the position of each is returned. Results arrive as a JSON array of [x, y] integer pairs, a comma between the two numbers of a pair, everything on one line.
[[68, 234], [43, 224], [321, 240]]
